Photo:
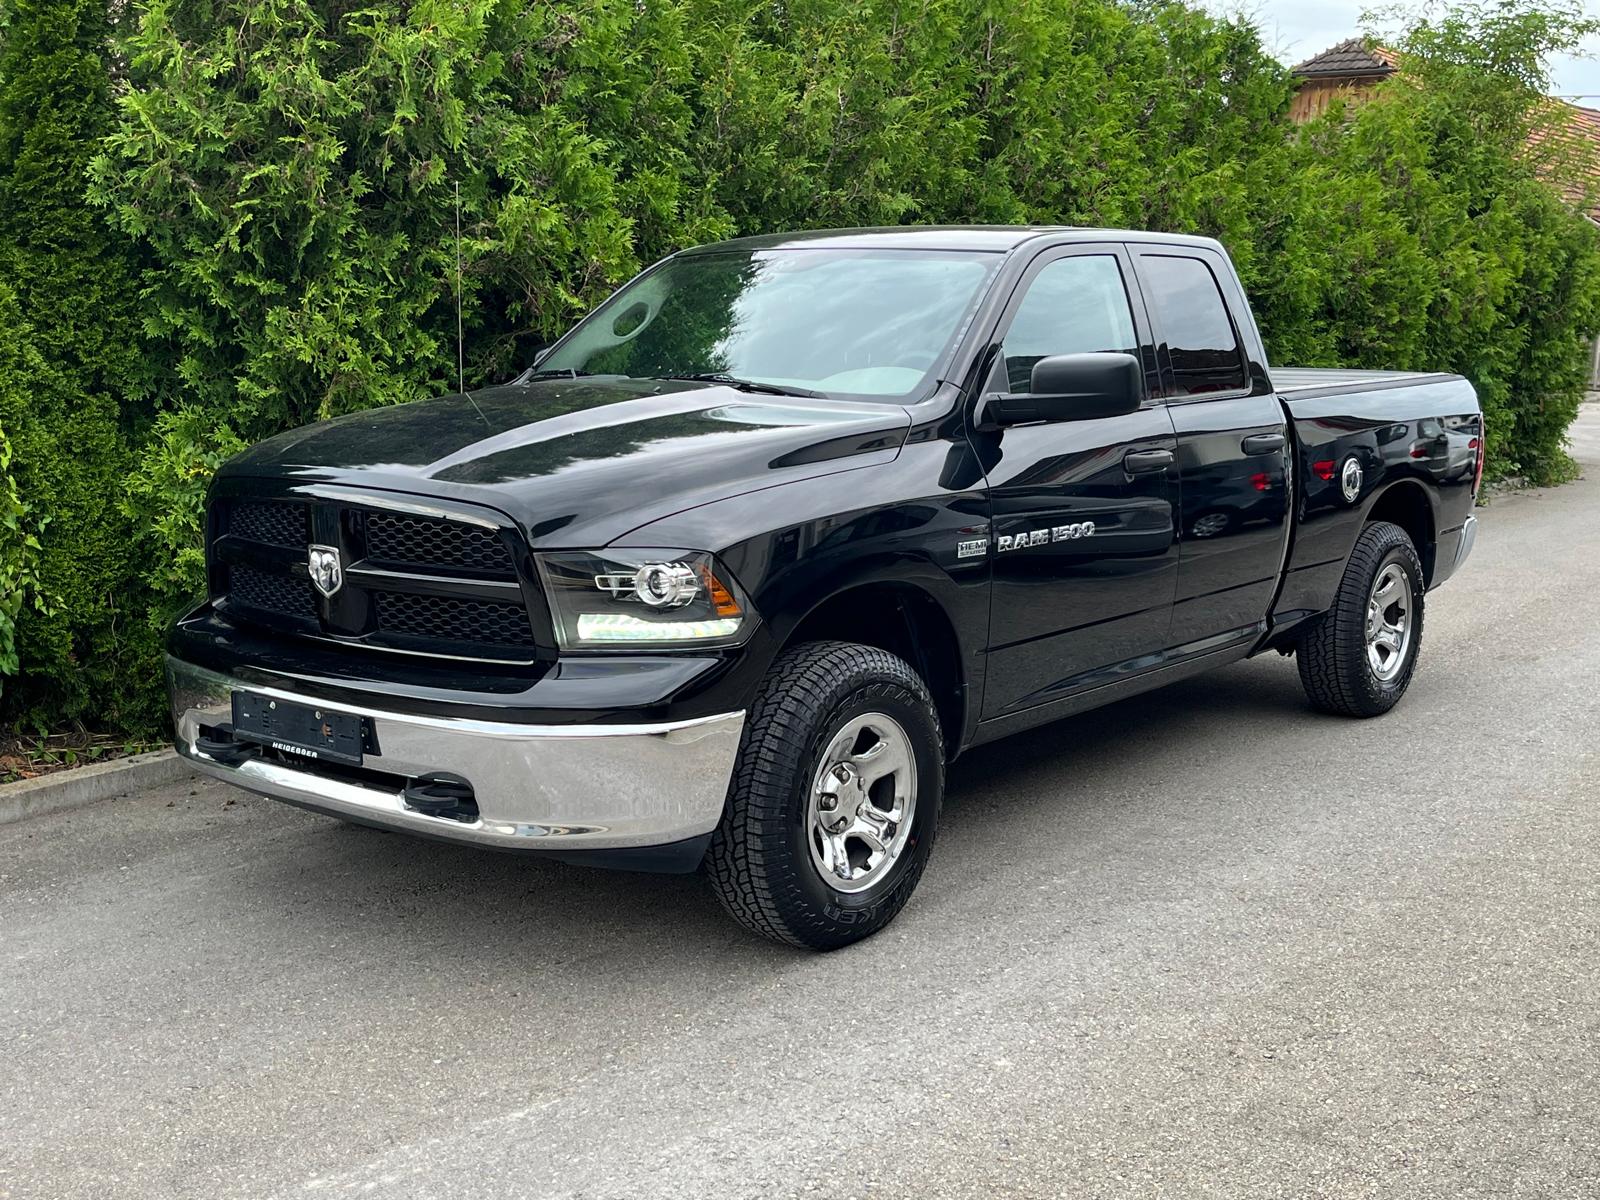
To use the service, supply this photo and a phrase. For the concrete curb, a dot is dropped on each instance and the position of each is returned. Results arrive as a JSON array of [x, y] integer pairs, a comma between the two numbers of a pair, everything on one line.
[[88, 785]]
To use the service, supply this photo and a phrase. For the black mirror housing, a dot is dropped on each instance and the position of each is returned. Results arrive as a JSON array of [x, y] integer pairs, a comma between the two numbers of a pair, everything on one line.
[[1071, 387]]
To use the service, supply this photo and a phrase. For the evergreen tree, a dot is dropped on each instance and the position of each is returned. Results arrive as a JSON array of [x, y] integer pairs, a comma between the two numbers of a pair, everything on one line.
[[70, 418], [1426, 228]]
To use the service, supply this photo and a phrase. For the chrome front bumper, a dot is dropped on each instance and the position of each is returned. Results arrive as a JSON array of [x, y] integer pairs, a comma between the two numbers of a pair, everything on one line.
[[537, 787]]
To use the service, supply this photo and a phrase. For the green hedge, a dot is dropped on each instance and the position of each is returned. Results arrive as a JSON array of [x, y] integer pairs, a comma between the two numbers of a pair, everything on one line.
[[76, 383], [265, 233]]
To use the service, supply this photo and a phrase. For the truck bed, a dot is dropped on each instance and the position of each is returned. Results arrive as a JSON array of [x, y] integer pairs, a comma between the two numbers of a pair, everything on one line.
[[1298, 382], [1420, 428]]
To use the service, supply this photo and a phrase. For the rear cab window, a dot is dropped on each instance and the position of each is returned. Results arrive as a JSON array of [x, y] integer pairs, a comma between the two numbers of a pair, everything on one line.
[[1192, 318]]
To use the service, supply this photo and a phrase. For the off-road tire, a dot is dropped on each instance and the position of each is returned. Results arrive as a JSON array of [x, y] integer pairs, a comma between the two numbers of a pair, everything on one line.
[[760, 861], [1332, 652]]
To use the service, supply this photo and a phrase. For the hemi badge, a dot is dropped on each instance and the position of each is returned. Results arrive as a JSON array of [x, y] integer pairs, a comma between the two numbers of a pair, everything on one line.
[[974, 548]]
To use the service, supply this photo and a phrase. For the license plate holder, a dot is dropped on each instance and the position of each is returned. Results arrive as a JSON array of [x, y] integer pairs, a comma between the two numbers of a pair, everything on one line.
[[303, 730]]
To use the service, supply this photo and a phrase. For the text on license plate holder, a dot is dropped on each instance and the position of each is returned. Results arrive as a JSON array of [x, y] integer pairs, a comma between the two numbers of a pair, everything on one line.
[[299, 729]]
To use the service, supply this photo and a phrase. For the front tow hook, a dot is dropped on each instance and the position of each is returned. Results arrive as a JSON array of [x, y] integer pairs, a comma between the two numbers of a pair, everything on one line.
[[219, 745], [442, 795]]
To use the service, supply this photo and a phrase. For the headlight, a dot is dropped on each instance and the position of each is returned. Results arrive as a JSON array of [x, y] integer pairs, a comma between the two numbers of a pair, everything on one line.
[[606, 599]]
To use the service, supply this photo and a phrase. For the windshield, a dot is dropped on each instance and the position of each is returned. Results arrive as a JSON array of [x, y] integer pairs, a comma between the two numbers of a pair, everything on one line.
[[868, 323]]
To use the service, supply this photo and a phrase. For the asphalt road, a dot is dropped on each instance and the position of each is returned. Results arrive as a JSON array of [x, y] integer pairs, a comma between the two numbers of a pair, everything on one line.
[[1202, 943]]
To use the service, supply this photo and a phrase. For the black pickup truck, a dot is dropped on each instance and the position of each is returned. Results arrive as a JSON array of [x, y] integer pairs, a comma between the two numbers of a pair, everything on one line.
[[755, 550]]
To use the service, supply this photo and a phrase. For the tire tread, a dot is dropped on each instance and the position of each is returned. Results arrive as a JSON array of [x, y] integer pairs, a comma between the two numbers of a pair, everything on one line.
[[747, 862], [1331, 653]]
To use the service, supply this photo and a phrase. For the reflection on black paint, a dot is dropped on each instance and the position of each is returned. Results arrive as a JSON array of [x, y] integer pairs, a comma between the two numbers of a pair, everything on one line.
[[591, 458], [692, 432]]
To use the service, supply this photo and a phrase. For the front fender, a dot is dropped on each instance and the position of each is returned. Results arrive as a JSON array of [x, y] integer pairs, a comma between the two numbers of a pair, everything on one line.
[[794, 547]]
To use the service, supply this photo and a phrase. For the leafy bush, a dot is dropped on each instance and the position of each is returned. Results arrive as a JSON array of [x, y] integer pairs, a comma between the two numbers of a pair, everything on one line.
[[19, 540], [165, 500], [71, 375], [1425, 229], [72, 610], [294, 167]]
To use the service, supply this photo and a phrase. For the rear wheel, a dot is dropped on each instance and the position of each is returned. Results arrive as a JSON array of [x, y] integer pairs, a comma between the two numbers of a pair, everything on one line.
[[835, 798], [1358, 658], [1212, 524]]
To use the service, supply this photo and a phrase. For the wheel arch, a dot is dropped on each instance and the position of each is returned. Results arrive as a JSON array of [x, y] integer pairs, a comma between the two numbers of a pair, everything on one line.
[[1408, 504], [907, 621]]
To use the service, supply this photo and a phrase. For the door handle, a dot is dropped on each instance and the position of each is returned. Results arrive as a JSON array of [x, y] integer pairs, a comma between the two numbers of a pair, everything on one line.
[[1262, 443], [1143, 462]]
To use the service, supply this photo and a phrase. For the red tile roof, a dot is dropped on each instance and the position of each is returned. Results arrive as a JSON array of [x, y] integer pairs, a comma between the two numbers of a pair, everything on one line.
[[1581, 130]]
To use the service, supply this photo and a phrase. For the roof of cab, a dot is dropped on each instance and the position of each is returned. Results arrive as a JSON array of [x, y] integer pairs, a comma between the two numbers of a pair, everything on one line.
[[994, 239]]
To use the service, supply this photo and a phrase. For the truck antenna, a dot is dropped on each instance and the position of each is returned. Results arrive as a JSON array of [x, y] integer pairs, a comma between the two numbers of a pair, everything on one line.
[[461, 345]]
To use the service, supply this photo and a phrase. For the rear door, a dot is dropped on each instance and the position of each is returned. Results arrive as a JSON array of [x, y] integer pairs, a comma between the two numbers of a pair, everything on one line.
[[1085, 561], [1233, 453]]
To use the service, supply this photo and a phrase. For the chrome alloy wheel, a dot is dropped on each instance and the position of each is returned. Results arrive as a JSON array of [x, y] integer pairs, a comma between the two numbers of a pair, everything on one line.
[[1389, 623], [862, 801]]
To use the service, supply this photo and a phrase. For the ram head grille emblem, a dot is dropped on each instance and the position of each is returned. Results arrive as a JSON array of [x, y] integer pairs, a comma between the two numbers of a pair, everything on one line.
[[327, 574]]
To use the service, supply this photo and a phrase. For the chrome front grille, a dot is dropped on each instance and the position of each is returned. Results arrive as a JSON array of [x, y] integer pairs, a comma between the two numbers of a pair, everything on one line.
[[409, 581]]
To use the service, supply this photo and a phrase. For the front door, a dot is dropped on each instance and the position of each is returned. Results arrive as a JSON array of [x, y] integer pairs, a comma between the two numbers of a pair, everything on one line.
[[1084, 520]]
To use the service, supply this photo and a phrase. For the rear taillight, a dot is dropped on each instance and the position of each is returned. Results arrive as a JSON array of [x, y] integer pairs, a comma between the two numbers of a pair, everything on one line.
[[1479, 445]]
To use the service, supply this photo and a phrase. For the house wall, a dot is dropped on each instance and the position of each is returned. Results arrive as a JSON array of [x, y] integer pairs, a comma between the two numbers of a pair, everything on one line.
[[1315, 95]]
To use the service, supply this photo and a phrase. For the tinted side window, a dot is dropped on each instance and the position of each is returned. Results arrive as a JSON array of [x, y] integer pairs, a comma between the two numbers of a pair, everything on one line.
[[1073, 306], [1194, 320]]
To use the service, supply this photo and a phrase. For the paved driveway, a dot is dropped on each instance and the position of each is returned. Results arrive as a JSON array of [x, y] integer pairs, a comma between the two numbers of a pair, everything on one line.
[[1202, 943]]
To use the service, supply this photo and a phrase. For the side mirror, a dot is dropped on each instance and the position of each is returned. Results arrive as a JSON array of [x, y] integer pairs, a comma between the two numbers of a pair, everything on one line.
[[1070, 387]]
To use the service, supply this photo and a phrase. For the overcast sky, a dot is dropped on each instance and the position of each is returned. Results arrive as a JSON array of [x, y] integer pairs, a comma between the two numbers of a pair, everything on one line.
[[1297, 29]]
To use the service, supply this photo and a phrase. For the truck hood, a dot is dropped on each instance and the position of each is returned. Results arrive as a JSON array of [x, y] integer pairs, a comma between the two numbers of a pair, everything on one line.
[[581, 462]]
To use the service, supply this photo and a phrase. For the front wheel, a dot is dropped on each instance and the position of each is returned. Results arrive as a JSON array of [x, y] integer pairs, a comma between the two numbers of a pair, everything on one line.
[[835, 797], [1358, 658]]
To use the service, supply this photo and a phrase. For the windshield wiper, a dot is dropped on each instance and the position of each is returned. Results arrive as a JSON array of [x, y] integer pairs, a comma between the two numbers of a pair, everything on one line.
[[747, 385], [560, 373]]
